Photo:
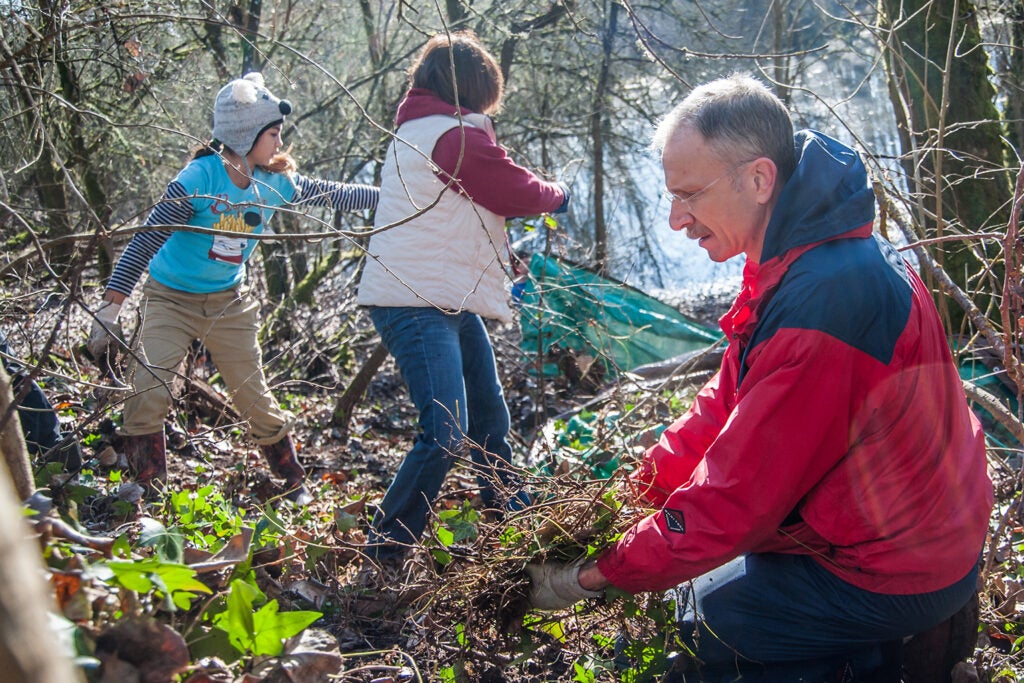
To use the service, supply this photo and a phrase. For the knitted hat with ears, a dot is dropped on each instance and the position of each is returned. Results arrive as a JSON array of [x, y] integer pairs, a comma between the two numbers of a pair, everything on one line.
[[245, 108]]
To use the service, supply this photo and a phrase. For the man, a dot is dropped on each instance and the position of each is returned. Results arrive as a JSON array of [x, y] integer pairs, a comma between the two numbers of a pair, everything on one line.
[[827, 491]]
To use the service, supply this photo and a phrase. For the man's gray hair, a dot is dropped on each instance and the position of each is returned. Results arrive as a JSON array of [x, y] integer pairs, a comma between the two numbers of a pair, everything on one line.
[[739, 117]]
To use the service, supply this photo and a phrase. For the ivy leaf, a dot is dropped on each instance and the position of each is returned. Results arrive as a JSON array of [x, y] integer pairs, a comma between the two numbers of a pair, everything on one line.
[[260, 632], [237, 620], [168, 545], [273, 628], [173, 580], [583, 674]]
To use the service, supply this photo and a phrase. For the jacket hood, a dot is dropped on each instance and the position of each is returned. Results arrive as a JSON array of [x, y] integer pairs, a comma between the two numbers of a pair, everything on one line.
[[827, 196], [420, 102]]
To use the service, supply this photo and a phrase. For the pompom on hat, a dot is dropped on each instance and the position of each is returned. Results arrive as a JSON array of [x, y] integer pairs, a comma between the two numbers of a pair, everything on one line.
[[245, 108]]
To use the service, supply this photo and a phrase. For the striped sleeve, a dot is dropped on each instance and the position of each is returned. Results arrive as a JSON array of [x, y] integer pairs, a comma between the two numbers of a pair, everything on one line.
[[339, 196], [173, 209]]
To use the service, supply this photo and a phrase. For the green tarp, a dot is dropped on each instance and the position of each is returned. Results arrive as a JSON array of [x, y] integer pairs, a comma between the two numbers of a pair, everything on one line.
[[576, 309], [978, 370]]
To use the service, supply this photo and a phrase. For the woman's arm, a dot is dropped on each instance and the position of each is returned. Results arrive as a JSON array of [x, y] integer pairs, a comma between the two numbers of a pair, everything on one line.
[[485, 173]]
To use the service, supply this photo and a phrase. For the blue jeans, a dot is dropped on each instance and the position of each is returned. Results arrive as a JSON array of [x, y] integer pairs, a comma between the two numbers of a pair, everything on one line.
[[785, 618], [448, 365]]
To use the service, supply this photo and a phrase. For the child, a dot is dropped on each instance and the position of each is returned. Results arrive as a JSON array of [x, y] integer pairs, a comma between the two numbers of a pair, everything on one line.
[[196, 286], [446, 189]]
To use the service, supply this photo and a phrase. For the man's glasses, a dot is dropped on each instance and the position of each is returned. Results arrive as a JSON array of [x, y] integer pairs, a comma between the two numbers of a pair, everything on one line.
[[690, 198]]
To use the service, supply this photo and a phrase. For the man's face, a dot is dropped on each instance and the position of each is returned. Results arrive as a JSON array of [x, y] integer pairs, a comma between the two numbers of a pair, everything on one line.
[[719, 203]]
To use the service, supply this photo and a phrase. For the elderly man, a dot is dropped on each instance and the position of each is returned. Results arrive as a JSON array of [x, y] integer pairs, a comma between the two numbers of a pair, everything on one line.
[[827, 490]]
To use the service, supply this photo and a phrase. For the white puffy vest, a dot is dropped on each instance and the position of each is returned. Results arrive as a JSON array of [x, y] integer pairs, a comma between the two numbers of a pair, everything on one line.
[[443, 250]]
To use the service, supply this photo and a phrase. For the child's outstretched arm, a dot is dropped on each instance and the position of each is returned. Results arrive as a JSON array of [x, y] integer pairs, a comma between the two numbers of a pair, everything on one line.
[[339, 196]]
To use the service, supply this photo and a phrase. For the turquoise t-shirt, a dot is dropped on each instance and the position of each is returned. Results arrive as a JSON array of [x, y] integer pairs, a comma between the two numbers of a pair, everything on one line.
[[202, 263]]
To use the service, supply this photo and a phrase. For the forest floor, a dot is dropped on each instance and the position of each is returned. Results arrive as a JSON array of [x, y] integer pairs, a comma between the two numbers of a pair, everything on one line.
[[259, 566]]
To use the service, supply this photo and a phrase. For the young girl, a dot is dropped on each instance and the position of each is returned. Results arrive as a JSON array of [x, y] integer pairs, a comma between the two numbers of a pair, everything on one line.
[[196, 287], [446, 189]]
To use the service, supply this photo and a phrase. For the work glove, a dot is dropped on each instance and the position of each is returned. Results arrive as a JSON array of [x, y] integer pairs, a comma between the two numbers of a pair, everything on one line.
[[105, 332], [556, 585], [564, 206]]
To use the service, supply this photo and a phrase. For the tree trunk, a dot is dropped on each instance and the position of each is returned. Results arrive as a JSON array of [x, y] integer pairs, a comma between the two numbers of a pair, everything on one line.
[[342, 413], [45, 171], [1014, 77], [212, 39], [781, 62], [275, 257], [950, 132], [597, 125], [250, 56]]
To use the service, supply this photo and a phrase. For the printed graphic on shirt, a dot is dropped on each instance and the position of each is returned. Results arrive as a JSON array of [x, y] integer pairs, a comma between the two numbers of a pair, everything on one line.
[[674, 520], [227, 248]]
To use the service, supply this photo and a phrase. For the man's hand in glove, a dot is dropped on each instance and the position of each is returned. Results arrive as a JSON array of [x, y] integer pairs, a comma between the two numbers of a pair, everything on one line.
[[556, 585]]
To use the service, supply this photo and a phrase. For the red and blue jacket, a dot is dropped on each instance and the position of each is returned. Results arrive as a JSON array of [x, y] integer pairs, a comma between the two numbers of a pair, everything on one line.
[[837, 425]]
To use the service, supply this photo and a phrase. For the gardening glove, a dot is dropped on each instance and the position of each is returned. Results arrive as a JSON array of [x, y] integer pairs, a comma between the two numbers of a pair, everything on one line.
[[556, 585], [564, 206], [105, 332]]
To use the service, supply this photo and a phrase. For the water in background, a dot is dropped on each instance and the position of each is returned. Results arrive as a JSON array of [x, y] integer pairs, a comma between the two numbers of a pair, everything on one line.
[[853, 108]]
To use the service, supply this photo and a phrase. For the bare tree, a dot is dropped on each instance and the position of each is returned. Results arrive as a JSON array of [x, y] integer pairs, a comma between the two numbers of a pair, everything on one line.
[[951, 135]]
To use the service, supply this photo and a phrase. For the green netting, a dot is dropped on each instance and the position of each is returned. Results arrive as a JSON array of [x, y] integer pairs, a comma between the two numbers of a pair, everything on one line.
[[979, 373], [576, 309]]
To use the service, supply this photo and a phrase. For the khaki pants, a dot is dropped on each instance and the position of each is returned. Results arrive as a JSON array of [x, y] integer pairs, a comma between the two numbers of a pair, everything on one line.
[[226, 323]]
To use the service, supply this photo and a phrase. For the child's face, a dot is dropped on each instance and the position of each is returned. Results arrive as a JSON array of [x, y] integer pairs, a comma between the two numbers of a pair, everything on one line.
[[267, 145]]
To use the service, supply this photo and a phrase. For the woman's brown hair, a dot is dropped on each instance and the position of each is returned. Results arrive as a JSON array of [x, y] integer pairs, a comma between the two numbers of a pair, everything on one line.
[[475, 80]]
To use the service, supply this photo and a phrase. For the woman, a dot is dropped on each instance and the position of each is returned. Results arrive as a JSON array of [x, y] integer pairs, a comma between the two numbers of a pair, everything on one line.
[[196, 284], [431, 278]]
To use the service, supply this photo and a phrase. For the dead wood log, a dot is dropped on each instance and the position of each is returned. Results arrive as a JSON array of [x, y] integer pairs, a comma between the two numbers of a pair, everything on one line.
[[53, 527], [207, 402], [357, 387]]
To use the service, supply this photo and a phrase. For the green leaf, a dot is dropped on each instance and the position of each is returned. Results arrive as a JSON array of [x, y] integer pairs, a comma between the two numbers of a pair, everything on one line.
[[346, 521], [441, 557], [237, 619], [444, 536], [211, 642], [80, 493], [460, 634], [168, 545], [273, 627], [172, 580], [121, 547], [583, 674], [131, 576], [555, 629], [510, 536], [180, 577], [270, 522], [262, 632]]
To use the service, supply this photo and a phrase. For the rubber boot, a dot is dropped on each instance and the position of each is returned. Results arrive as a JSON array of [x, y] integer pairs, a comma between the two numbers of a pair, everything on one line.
[[285, 464], [147, 458]]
